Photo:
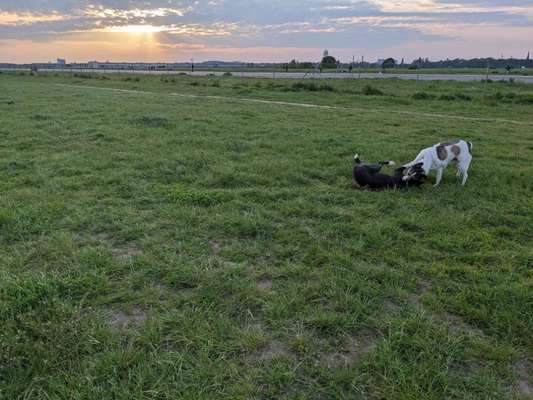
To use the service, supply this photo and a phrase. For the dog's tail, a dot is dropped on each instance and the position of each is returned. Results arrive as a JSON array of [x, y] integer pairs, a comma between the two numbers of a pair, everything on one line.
[[357, 160], [470, 146], [391, 163]]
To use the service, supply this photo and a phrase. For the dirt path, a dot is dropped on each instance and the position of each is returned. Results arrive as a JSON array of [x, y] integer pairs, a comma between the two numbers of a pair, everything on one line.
[[305, 105]]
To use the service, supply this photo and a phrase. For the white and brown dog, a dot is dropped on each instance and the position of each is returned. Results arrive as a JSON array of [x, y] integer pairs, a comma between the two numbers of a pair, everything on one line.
[[440, 155]]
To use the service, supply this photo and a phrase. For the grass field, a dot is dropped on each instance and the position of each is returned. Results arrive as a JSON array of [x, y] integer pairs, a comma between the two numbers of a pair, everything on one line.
[[160, 246]]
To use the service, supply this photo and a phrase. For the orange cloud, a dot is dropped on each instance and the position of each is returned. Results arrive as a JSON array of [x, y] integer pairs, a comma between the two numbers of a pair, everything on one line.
[[26, 18]]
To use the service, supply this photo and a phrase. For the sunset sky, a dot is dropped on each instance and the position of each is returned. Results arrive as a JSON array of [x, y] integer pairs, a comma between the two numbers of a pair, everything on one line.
[[252, 30]]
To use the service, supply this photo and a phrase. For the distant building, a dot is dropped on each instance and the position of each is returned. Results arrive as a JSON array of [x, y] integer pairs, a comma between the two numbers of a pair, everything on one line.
[[61, 61]]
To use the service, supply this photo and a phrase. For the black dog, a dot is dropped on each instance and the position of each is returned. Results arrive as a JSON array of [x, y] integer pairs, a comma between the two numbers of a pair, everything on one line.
[[369, 176]]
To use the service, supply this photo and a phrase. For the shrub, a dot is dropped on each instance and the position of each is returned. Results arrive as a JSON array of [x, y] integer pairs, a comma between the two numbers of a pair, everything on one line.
[[447, 97], [216, 84], [462, 96], [311, 87], [422, 96], [369, 90], [83, 76], [524, 99], [227, 74], [327, 88], [152, 121]]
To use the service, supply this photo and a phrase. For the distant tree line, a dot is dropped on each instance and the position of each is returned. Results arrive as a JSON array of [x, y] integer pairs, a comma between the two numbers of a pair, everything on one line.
[[503, 63], [474, 63]]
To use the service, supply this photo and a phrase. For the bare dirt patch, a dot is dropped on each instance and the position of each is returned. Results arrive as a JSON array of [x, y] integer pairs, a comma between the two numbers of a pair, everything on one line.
[[524, 384], [264, 284], [126, 252], [121, 251], [355, 347], [165, 289], [274, 349], [215, 246], [122, 320], [454, 322]]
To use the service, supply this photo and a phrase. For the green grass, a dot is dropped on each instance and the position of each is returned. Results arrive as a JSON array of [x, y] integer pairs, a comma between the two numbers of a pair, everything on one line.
[[155, 246]]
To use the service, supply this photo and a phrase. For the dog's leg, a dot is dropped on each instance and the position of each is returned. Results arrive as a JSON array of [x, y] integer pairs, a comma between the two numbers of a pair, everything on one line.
[[418, 158], [439, 176], [463, 167], [465, 177]]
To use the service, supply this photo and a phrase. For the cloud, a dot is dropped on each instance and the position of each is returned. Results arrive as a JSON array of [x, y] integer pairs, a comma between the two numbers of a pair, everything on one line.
[[173, 27], [27, 18]]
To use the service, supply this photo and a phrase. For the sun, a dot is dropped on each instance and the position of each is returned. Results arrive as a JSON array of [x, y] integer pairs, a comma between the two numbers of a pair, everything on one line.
[[135, 29]]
